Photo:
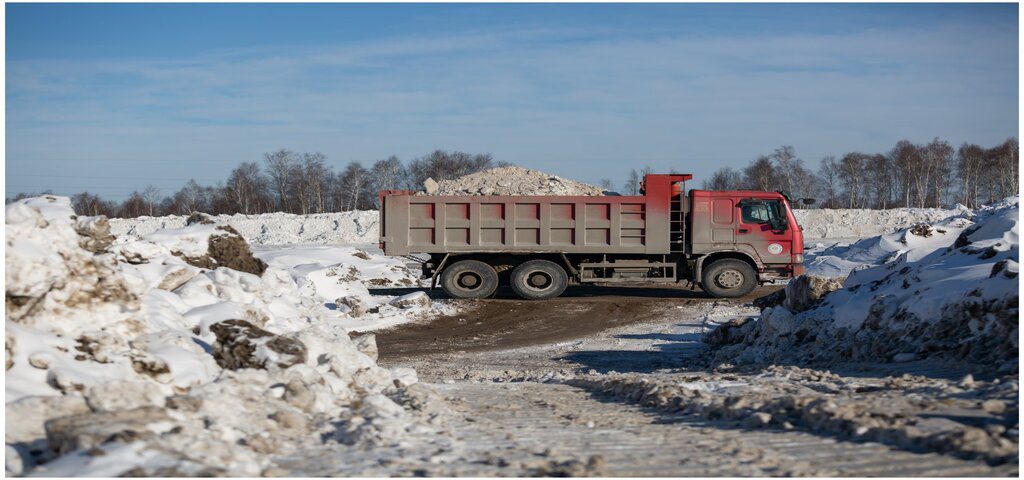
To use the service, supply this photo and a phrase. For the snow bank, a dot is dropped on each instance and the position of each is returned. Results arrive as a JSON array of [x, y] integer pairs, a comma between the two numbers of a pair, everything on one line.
[[271, 228], [826, 223], [909, 243], [947, 290], [128, 359]]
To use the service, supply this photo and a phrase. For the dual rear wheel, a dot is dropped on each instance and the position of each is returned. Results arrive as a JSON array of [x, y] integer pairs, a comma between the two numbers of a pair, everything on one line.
[[532, 280]]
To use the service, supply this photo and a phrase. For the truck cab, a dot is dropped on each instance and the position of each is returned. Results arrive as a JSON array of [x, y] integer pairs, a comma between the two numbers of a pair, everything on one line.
[[756, 228]]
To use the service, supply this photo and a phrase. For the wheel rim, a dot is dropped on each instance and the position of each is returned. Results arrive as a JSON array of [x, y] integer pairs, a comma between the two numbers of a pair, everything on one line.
[[469, 281], [729, 279], [539, 280]]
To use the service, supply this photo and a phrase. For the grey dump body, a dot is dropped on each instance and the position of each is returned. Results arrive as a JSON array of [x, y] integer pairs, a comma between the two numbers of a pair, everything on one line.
[[522, 224]]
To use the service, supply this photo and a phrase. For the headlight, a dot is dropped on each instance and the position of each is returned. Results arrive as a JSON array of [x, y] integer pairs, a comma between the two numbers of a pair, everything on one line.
[[798, 258]]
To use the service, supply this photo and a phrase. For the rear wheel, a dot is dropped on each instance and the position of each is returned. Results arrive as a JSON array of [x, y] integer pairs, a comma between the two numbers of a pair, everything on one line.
[[728, 278], [539, 280], [469, 279]]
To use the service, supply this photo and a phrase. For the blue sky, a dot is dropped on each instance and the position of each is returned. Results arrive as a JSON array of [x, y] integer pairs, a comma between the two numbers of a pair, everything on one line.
[[113, 97]]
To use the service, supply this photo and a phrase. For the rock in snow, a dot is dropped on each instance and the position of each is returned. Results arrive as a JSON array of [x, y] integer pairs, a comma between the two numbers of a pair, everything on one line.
[[415, 299]]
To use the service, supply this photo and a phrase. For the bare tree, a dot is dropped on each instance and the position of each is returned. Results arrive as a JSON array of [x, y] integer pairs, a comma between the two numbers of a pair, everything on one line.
[[245, 185], [933, 178], [1005, 170], [851, 175], [444, 165], [970, 166], [388, 174], [280, 168], [89, 204], [632, 185], [151, 195], [192, 198], [134, 206], [354, 184], [828, 172], [606, 184], [905, 158], [760, 175], [724, 178]]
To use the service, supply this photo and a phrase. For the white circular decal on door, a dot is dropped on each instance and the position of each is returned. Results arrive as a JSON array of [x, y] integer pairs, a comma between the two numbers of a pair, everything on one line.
[[774, 248]]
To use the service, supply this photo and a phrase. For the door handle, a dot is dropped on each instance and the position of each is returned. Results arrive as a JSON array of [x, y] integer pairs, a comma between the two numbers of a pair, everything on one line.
[[743, 230]]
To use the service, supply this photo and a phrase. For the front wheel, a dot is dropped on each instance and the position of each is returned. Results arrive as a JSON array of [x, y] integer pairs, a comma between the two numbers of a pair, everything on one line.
[[469, 279], [728, 278], [539, 280]]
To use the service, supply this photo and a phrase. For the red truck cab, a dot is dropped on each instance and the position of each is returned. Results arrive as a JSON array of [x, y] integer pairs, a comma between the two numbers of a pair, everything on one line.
[[755, 227]]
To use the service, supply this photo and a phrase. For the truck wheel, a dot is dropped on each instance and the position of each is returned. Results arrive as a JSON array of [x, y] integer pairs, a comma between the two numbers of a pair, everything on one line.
[[728, 278], [469, 279], [539, 280]]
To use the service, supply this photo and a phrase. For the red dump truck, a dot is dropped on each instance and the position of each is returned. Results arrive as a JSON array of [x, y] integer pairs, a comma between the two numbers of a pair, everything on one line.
[[726, 242]]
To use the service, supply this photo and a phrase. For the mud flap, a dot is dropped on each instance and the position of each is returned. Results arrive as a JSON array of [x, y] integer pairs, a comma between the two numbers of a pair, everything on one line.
[[437, 271]]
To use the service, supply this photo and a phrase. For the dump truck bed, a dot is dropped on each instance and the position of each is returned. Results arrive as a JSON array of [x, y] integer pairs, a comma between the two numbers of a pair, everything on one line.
[[527, 224]]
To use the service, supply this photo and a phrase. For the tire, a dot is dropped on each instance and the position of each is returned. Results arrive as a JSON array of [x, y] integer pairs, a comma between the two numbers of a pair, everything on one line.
[[469, 279], [539, 280], [728, 278]]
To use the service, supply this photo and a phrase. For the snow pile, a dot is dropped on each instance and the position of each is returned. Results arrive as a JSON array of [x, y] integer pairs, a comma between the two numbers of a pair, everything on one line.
[[906, 244], [861, 223], [349, 280], [129, 359], [511, 181], [271, 228], [953, 296]]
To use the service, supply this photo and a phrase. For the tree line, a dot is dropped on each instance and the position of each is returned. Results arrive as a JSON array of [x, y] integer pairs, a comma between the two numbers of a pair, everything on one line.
[[291, 182], [932, 174], [909, 175]]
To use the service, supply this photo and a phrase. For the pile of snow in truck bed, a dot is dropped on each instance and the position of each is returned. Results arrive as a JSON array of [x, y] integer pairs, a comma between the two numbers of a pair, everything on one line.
[[948, 290], [512, 180], [127, 358]]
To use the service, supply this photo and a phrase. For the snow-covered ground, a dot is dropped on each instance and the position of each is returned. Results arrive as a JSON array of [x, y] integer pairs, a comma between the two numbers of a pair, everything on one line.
[[177, 352]]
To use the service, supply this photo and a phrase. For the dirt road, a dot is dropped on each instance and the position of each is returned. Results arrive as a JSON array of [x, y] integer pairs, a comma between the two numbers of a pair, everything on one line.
[[508, 322], [512, 371]]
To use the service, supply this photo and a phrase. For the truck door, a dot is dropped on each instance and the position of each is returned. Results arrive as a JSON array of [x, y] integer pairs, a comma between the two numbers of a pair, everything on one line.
[[763, 226]]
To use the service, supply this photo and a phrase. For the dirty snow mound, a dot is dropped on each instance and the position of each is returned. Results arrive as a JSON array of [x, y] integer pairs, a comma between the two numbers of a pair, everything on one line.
[[271, 228], [512, 181], [130, 359], [943, 294]]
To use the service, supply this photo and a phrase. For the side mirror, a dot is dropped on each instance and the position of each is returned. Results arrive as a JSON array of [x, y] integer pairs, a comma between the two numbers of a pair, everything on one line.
[[807, 201]]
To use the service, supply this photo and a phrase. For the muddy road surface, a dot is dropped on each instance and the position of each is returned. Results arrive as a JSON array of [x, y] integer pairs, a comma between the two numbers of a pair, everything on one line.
[[508, 322]]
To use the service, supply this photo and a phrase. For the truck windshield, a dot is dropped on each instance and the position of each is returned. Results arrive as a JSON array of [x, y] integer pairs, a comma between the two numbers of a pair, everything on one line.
[[767, 212]]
